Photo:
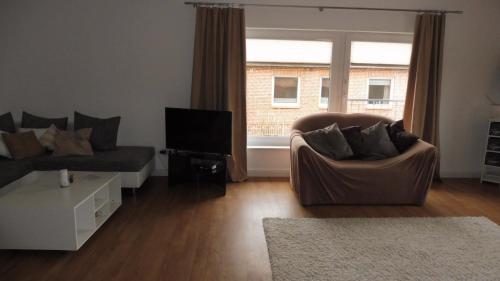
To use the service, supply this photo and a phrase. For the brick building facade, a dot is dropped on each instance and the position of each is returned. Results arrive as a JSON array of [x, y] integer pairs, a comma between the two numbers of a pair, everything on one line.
[[267, 119]]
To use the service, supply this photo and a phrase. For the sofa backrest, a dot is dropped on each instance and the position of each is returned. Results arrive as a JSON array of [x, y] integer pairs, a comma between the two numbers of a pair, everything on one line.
[[321, 120]]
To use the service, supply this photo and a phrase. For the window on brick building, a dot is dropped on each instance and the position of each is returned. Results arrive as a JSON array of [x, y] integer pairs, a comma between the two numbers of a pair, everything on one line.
[[324, 92], [295, 73], [286, 91], [283, 78], [378, 75], [379, 91]]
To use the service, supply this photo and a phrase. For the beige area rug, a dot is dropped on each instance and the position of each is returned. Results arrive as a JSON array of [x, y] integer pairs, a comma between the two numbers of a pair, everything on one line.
[[465, 248]]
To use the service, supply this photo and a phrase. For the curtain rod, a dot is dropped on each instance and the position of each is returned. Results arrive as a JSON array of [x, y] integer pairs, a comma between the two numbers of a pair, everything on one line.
[[320, 8]]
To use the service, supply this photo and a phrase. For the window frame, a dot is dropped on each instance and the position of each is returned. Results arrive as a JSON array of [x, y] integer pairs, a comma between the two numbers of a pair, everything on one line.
[[339, 65], [320, 104], [387, 105], [381, 37], [285, 104]]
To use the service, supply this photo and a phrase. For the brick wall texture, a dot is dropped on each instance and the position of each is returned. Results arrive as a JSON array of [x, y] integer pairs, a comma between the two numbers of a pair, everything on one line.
[[266, 119]]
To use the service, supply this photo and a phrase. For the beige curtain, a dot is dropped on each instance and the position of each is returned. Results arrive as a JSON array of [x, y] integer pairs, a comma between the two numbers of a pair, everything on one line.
[[421, 112], [219, 81]]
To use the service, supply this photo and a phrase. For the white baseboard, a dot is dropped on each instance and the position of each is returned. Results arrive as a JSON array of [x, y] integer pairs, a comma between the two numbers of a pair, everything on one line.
[[454, 174]]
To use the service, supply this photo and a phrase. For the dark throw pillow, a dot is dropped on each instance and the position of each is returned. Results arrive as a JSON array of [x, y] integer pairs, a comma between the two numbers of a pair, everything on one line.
[[377, 142], [401, 139], [329, 142], [104, 131], [7, 123], [355, 140], [37, 122], [23, 145]]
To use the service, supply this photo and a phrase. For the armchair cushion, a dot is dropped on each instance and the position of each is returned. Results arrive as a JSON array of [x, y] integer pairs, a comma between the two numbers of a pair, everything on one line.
[[330, 142], [377, 144], [401, 139], [355, 140]]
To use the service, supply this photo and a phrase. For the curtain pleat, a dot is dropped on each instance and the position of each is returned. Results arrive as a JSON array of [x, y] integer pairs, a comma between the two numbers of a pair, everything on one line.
[[219, 80], [421, 112]]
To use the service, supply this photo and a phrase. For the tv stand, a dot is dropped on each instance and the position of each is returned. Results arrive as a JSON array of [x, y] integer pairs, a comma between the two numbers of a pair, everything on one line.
[[189, 167]]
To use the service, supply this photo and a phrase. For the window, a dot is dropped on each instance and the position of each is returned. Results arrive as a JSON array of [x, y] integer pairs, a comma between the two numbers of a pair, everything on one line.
[[378, 74], [324, 92], [286, 91], [295, 73], [379, 91], [283, 77]]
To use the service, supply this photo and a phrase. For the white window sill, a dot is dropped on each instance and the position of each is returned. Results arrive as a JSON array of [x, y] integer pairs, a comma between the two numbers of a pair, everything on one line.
[[280, 147], [285, 105], [379, 106]]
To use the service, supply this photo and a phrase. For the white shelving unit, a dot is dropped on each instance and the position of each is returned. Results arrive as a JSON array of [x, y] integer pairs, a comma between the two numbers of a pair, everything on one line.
[[35, 213], [491, 158]]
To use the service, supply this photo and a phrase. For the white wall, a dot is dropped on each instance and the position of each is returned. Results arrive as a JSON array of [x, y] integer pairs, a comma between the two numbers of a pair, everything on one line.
[[134, 57], [100, 57]]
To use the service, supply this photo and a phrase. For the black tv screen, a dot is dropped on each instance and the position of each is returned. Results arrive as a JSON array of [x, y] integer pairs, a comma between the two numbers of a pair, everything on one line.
[[198, 130]]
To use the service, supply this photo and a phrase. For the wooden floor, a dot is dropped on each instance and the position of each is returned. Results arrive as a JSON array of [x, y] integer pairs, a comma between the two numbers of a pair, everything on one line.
[[185, 234]]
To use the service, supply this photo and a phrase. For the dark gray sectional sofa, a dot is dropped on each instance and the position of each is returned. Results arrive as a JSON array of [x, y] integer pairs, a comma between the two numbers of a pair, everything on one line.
[[134, 162], [11, 170]]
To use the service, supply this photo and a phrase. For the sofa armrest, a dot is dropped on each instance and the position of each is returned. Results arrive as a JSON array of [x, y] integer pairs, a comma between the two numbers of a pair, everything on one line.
[[419, 148]]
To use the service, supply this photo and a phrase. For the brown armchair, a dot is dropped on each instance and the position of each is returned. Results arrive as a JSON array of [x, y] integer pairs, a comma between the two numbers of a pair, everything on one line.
[[316, 179]]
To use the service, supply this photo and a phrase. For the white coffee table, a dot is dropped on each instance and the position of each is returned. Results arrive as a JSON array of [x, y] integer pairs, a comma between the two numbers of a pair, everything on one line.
[[35, 213]]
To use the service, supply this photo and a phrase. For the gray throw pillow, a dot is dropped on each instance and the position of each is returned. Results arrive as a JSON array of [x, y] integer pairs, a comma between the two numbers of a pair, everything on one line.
[[104, 131], [7, 123], [37, 122], [329, 142], [377, 142]]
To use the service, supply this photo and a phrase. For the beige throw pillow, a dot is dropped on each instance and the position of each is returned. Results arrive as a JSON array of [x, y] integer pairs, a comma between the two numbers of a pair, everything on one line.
[[73, 143], [38, 132], [46, 137], [23, 145]]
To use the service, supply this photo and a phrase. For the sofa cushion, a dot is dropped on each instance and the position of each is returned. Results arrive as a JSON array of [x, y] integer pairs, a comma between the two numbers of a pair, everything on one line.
[[48, 139], [33, 121], [377, 142], [329, 142], [7, 123], [4, 150], [11, 170], [104, 131], [23, 145], [73, 143], [122, 159], [402, 139], [355, 140]]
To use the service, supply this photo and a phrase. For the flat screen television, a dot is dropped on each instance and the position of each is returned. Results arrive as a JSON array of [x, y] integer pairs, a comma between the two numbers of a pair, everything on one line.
[[197, 130]]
